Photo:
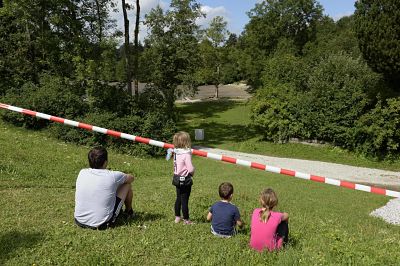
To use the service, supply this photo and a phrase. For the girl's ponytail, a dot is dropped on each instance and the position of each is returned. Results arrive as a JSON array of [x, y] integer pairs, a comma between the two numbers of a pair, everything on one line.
[[264, 215], [268, 200]]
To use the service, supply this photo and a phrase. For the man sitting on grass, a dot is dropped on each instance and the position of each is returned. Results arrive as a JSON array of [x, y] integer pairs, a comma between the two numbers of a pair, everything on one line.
[[100, 193]]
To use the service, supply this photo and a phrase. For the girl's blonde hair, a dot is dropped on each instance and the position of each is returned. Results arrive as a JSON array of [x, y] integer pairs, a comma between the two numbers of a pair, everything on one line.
[[268, 200], [182, 140]]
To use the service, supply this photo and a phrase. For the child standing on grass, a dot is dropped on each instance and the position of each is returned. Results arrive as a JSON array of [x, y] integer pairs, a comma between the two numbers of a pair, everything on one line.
[[183, 173], [224, 216], [269, 229]]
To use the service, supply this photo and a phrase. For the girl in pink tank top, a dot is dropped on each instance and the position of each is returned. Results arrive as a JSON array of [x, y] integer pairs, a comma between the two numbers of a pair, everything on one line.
[[269, 229]]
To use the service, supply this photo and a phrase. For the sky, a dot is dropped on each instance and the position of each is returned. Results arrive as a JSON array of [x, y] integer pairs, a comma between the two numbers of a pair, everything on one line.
[[233, 11]]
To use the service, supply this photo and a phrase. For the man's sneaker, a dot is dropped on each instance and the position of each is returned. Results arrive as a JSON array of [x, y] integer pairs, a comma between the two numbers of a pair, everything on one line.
[[177, 219], [187, 222]]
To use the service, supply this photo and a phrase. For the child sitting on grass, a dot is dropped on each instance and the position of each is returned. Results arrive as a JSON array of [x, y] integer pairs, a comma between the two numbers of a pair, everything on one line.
[[224, 216], [269, 229]]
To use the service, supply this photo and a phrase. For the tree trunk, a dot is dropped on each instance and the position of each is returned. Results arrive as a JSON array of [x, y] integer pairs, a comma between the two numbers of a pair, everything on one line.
[[136, 63], [127, 50], [100, 25], [217, 84]]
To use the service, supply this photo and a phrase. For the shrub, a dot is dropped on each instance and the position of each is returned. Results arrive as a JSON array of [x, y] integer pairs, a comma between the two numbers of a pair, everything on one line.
[[152, 125], [53, 95], [338, 94], [378, 131], [274, 112], [286, 69]]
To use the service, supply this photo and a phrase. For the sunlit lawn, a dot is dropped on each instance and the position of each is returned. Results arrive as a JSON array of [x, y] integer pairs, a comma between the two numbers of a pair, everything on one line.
[[328, 225]]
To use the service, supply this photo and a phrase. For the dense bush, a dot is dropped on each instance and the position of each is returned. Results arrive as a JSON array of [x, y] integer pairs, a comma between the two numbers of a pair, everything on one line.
[[286, 69], [151, 125], [53, 95], [334, 95], [337, 95], [378, 131], [274, 112]]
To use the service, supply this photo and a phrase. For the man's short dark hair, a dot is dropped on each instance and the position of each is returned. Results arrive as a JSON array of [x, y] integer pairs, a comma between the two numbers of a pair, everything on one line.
[[97, 157], [225, 190]]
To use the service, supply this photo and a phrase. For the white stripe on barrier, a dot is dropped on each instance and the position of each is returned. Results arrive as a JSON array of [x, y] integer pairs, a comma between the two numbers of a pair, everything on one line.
[[99, 129], [214, 156], [303, 175], [43, 116], [15, 109], [273, 169], [363, 188], [128, 136], [71, 123], [392, 193], [243, 162], [332, 181], [156, 143]]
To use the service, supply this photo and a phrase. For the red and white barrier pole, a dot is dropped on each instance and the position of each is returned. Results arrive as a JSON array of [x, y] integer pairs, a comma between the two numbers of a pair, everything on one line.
[[214, 156]]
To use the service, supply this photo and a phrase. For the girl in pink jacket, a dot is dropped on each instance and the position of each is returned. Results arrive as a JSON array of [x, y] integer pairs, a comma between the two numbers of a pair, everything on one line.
[[183, 173]]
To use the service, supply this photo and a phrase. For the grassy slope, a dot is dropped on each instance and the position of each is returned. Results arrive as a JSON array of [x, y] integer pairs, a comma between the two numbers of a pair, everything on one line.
[[328, 225], [226, 126]]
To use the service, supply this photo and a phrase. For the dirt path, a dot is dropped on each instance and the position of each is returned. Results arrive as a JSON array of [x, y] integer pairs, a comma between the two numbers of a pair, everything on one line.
[[360, 175]]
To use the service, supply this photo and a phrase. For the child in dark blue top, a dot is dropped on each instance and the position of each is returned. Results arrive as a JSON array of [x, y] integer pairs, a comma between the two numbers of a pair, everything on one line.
[[224, 216]]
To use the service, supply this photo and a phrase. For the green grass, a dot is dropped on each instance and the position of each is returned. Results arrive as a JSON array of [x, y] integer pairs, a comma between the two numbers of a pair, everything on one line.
[[226, 126], [328, 225]]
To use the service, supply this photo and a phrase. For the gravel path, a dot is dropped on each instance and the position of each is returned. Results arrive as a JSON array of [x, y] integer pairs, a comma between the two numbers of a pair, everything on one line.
[[360, 175]]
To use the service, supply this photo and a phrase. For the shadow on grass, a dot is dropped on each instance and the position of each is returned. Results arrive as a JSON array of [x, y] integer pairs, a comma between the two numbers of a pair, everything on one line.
[[206, 109], [139, 217], [11, 243]]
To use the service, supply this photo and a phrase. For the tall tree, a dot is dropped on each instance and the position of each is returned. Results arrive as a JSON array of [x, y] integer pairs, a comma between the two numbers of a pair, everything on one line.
[[128, 64], [172, 50], [273, 21], [136, 55], [216, 34], [378, 32]]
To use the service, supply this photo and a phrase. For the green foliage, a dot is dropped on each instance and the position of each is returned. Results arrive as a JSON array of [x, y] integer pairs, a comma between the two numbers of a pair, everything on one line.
[[338, 89], [378, 31], [286, 69], [172, 48], [53, 95], [378, 131], [323, 105], [272, 21], [151, 125], [332, 38], [274, 112]]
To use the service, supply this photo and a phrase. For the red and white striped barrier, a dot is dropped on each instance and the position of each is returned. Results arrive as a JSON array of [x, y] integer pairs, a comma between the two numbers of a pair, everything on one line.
[[214, 156]]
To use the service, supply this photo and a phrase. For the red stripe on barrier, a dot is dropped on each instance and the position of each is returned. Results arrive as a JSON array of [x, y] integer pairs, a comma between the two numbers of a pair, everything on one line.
[[258, 166], [29, 112], [114, 133], [168, 146], [85, 126], [200, 153], [2, 105], [57, 119], [228, 159], [288, 172], [377, 190], [317, 178], [347, 184], [142, 140]]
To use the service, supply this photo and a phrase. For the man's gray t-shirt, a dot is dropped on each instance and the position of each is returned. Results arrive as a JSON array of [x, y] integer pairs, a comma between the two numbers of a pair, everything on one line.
[[95, 195]]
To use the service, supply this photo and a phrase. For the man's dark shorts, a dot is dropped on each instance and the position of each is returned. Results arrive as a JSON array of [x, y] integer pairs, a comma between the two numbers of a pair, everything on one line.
[[107, 224]]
